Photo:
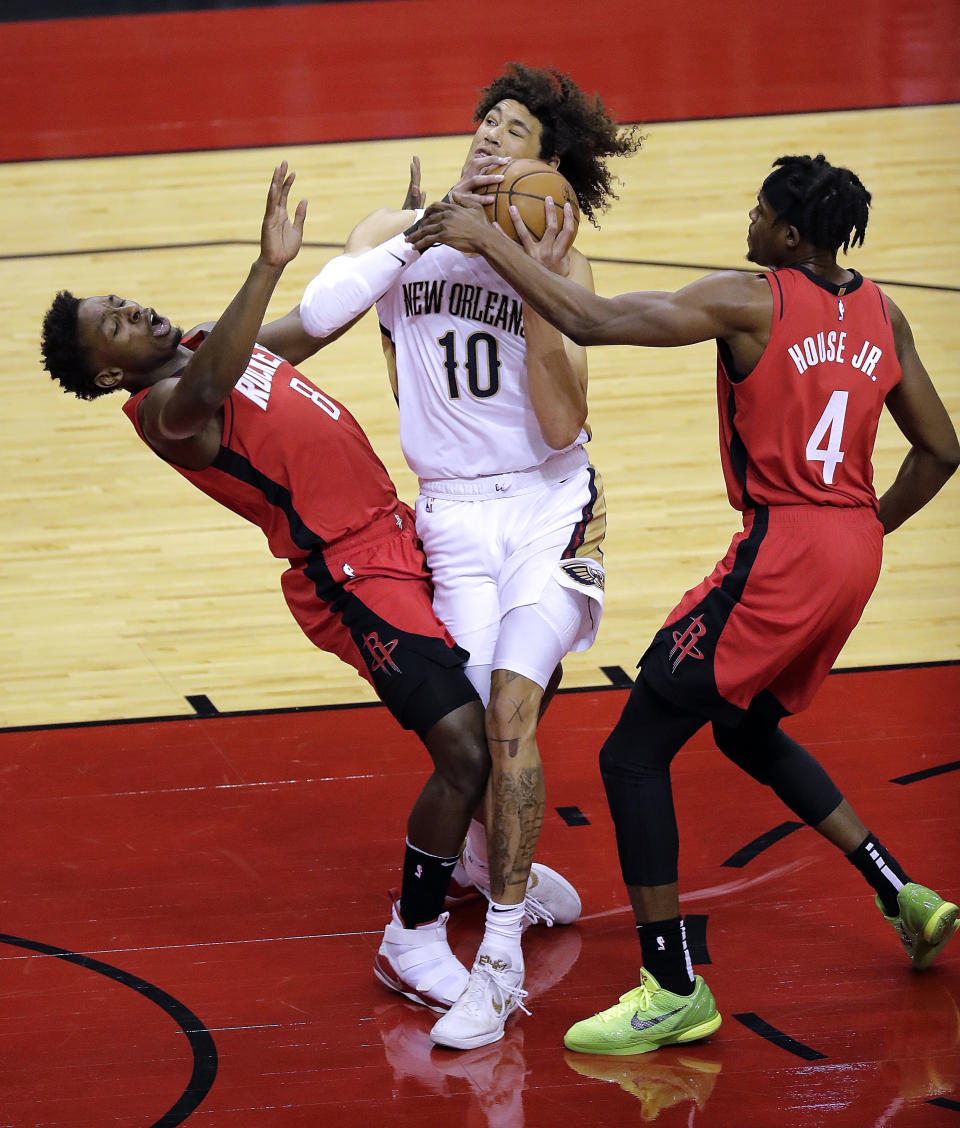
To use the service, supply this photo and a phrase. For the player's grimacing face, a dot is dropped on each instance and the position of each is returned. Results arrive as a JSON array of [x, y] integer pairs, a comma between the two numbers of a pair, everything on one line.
[[117, 332], [508, 129]]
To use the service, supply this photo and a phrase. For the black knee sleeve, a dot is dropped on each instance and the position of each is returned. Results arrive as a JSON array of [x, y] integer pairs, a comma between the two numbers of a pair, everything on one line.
[[764, 751]]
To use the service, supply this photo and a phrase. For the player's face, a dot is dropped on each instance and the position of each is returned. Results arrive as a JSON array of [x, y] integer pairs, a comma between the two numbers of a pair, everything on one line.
[[507, 130], [118, 333], [765, 234]]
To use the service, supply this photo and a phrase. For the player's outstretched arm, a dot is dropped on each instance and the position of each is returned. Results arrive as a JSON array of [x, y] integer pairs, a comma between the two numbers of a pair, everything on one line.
[[701, 311], [920, 414], [375, 255], [286, 336], [220, 361]]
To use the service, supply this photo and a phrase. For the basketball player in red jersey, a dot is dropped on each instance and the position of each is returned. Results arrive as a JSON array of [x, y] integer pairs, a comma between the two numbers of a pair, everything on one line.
[[809, 353], [225, 407]]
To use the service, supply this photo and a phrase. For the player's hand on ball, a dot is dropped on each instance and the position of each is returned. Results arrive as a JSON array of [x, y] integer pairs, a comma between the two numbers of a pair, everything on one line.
[[453, 222], [552, 250], [479, 173]]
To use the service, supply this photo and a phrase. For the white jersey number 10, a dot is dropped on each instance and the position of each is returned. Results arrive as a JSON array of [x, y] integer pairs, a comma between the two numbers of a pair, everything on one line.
[[482, 385]]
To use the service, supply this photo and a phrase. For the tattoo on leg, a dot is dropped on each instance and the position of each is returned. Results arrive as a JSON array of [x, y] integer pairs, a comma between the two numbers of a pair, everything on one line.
[[518, 816], [512, 745]]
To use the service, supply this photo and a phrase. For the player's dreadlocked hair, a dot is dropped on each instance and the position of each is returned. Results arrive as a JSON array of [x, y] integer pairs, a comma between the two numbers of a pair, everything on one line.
[[828, 206], [63, 357], [577, 130]]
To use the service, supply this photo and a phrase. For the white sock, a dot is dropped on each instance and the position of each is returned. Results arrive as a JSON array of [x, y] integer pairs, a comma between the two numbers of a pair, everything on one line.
[[504, 927], [476, 845]]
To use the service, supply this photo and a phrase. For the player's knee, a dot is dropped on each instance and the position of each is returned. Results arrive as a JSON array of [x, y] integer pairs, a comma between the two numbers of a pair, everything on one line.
[[738, 747], [512, 714], [458, 748]]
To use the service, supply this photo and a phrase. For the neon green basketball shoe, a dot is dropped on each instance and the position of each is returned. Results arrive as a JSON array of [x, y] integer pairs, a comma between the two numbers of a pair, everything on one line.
[[925, 923], [645, 1019]]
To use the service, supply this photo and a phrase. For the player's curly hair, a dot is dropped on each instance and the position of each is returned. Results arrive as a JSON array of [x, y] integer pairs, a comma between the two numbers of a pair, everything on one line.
[[829, 206], [576, 129], [63, 357]]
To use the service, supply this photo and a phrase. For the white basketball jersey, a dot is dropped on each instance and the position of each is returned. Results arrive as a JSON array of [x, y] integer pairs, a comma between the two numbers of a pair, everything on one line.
[[457, 328]]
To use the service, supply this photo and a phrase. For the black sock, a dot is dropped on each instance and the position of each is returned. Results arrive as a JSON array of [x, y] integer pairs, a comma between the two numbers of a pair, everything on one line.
[[882, 870], [425, 882], [664, 947]]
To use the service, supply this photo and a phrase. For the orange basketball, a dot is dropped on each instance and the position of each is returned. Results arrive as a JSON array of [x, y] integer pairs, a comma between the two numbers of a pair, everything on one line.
[[525, 184]]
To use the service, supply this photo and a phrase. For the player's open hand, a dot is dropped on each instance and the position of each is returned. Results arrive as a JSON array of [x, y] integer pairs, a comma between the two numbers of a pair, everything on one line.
[[280, 238], [552, 250], [415, 197], [454, 223]]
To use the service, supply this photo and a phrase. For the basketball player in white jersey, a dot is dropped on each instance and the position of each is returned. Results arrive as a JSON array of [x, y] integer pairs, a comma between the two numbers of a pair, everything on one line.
[[493, 410]]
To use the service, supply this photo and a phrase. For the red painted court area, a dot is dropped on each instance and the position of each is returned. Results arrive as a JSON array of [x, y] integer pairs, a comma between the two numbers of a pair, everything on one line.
[[191, 909]]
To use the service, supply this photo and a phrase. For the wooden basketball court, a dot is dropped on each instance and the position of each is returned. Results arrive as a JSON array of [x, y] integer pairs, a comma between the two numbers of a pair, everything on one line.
[[202, 815]]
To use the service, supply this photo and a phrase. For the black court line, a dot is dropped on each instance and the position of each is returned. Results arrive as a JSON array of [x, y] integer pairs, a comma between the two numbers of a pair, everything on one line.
[[199, 1037], [194, 246], [617, 676], [16, 10], [280, 710], [758, 845], [573, 816], [927, 773], [202, 705], [756, 1024], [703, 268]]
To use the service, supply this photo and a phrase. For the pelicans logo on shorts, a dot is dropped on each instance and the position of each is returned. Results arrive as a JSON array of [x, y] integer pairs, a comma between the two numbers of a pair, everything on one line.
[[586, 572]]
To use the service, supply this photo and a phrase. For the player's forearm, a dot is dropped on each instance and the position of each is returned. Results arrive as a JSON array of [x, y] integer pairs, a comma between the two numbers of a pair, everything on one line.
[[576, 311], [557, 394], [922, 475], [221, 360], [350, 284]]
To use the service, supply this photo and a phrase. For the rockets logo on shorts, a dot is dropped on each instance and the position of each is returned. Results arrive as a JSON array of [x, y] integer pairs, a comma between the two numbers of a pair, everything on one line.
[[380, 653], [685, 642]]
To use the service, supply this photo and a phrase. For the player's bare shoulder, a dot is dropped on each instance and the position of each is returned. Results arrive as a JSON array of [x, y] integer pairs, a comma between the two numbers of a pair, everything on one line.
[[377, 227], [741, 300]]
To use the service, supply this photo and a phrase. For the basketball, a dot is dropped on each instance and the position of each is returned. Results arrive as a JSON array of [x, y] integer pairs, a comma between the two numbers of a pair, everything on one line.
[[525, 184]]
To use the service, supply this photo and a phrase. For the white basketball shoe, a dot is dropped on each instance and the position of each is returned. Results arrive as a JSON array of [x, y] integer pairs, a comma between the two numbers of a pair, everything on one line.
[[419, 964], [493, 993]]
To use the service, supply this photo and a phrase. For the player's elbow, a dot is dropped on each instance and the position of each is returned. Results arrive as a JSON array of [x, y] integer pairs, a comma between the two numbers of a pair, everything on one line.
[[560, 440], [562, 431], [950, 460]]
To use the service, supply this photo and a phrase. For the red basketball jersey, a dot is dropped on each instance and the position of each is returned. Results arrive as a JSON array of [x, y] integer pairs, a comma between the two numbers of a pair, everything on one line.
[[800, 428], [292, 460]]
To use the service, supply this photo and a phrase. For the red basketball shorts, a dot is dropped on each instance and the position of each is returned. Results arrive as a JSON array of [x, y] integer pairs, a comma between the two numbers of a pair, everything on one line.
[[766, 626], [368, 599]]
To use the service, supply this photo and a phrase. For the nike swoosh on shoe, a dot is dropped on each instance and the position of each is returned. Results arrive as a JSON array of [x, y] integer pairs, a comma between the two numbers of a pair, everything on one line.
[[644, 1024]]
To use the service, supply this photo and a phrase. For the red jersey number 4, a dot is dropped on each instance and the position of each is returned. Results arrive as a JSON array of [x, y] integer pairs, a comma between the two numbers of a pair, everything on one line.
[[830, 427]]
